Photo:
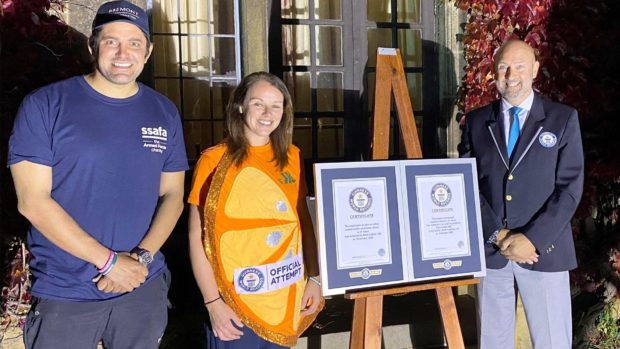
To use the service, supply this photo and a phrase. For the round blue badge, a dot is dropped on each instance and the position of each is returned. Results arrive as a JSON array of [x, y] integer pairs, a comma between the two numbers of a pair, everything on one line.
[[441, 194], [251, 279], [360, 199], [547, 139]]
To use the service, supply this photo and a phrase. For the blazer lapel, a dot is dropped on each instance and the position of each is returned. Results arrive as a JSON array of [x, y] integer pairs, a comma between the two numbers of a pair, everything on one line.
[[530, 130], [494, 125]]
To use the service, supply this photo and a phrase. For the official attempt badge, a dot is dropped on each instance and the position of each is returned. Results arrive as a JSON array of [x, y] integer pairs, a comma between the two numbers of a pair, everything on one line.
[[360, 199], [441, 194], [547, 139]]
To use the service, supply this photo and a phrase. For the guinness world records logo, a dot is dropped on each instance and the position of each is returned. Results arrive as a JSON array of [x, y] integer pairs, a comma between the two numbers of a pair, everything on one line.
[[441, 194], [360, 199], [251, 279]]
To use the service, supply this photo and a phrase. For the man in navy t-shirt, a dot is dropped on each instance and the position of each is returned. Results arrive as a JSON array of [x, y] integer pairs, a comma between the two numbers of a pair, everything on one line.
[[98, 163]]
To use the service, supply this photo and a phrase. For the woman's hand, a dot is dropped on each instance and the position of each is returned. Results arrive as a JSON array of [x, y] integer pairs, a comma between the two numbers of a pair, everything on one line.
[[311, 298], [222, 318]]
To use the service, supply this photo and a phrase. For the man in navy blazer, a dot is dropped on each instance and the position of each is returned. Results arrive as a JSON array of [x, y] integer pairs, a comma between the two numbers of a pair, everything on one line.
[[530, 170]]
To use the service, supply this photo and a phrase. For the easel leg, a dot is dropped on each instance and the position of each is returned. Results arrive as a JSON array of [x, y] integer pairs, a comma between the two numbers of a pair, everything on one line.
[[367, 323], [357, 328], [450, 318]]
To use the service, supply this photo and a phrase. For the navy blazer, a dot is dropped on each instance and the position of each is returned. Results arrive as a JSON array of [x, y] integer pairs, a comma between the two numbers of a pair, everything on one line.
[[537, 190]]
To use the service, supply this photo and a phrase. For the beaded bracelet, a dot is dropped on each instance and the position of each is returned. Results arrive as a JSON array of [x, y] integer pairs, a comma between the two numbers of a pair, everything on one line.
[[109, 269], [107, 263], [213, 300], [315, 280]]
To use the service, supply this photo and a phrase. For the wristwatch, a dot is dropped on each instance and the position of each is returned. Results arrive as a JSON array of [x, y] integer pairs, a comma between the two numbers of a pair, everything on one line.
[[144, 256]]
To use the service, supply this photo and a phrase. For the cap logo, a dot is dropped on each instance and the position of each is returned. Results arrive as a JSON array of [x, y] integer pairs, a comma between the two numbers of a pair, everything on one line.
[[124, 11]]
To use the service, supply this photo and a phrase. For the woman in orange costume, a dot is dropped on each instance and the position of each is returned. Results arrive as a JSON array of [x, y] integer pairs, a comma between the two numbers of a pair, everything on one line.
[[253, 251]]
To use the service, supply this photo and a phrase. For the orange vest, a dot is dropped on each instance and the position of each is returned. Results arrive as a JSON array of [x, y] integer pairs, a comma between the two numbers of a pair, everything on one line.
[[253, 238]]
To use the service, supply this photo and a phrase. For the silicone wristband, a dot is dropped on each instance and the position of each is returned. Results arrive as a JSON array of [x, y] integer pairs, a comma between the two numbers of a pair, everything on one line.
[[107, 263], [109, 269]]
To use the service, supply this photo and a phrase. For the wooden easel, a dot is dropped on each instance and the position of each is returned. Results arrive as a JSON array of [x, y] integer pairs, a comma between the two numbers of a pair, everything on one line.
[[368, 306]]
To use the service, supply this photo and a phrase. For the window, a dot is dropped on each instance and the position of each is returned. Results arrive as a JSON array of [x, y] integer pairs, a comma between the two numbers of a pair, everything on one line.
[[197, 63], [325, 50]]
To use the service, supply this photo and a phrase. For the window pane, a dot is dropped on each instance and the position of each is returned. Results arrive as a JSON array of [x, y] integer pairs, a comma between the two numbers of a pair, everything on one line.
[[194, 17], [297, 9], [414, 82], [410, 44], [223, 17], [379, 10], [408, 11], [298, 85], [165, 16], [377, 38], [296, 45], [331, 137], [329, 45], [170, 88], [195, 51], [370, 85], [329, 92], [166, 55], [327, 9], [196, 99], [200, 135], [220, 94], [224, 61], [302, 136]]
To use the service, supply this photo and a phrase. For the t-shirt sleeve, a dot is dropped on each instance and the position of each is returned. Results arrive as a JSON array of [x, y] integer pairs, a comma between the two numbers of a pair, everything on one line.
[[205, 167], [31, 138], [177, 157]]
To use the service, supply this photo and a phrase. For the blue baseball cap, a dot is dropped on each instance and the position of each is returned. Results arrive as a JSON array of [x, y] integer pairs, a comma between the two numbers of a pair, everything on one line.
[[123, 11]]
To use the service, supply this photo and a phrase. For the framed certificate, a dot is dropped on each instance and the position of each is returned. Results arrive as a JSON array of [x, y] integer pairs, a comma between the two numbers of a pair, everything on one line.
[[443, 217], [359, 224], [387, 222]]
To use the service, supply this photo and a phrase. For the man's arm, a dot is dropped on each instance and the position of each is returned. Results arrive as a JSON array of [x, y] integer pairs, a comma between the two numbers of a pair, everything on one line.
[[220, 314], [33, 185], [168, 211]]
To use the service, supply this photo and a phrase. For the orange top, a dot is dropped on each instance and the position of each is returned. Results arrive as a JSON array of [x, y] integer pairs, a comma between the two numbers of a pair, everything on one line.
[[251, 220]]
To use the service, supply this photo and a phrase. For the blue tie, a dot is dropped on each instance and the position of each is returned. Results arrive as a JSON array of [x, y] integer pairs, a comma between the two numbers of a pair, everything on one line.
[[513, 134]]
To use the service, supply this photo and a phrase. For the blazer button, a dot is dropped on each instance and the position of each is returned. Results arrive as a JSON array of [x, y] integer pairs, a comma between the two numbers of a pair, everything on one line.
[[510, 177], [508, 197]]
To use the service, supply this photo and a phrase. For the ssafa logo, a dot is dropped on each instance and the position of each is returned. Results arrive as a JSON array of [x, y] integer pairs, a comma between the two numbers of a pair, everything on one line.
[[154, 138], [441, 194]]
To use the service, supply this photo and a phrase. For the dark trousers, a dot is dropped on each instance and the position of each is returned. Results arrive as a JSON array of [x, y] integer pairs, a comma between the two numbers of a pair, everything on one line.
[[136, 320]]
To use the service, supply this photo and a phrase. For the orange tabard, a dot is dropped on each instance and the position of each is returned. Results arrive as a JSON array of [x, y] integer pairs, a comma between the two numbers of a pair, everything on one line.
[[250, 217]]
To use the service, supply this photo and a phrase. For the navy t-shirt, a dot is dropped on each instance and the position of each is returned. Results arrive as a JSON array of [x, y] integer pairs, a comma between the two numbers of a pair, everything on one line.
[[107, 156]]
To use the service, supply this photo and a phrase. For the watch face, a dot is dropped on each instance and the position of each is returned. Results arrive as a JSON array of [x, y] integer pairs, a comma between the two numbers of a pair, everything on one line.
[[145, 257]]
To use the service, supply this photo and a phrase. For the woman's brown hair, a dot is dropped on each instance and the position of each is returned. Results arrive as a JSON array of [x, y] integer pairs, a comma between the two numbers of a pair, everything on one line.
[[280, 138]]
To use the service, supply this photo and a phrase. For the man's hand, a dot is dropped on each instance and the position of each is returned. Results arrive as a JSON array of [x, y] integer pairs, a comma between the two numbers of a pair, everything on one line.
[[311, 299], [222, 318], [126, 275], [518, 248]]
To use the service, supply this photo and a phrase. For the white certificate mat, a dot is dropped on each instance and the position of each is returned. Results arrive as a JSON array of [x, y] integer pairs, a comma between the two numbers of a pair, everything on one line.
[[443, 222], [362, 223]]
